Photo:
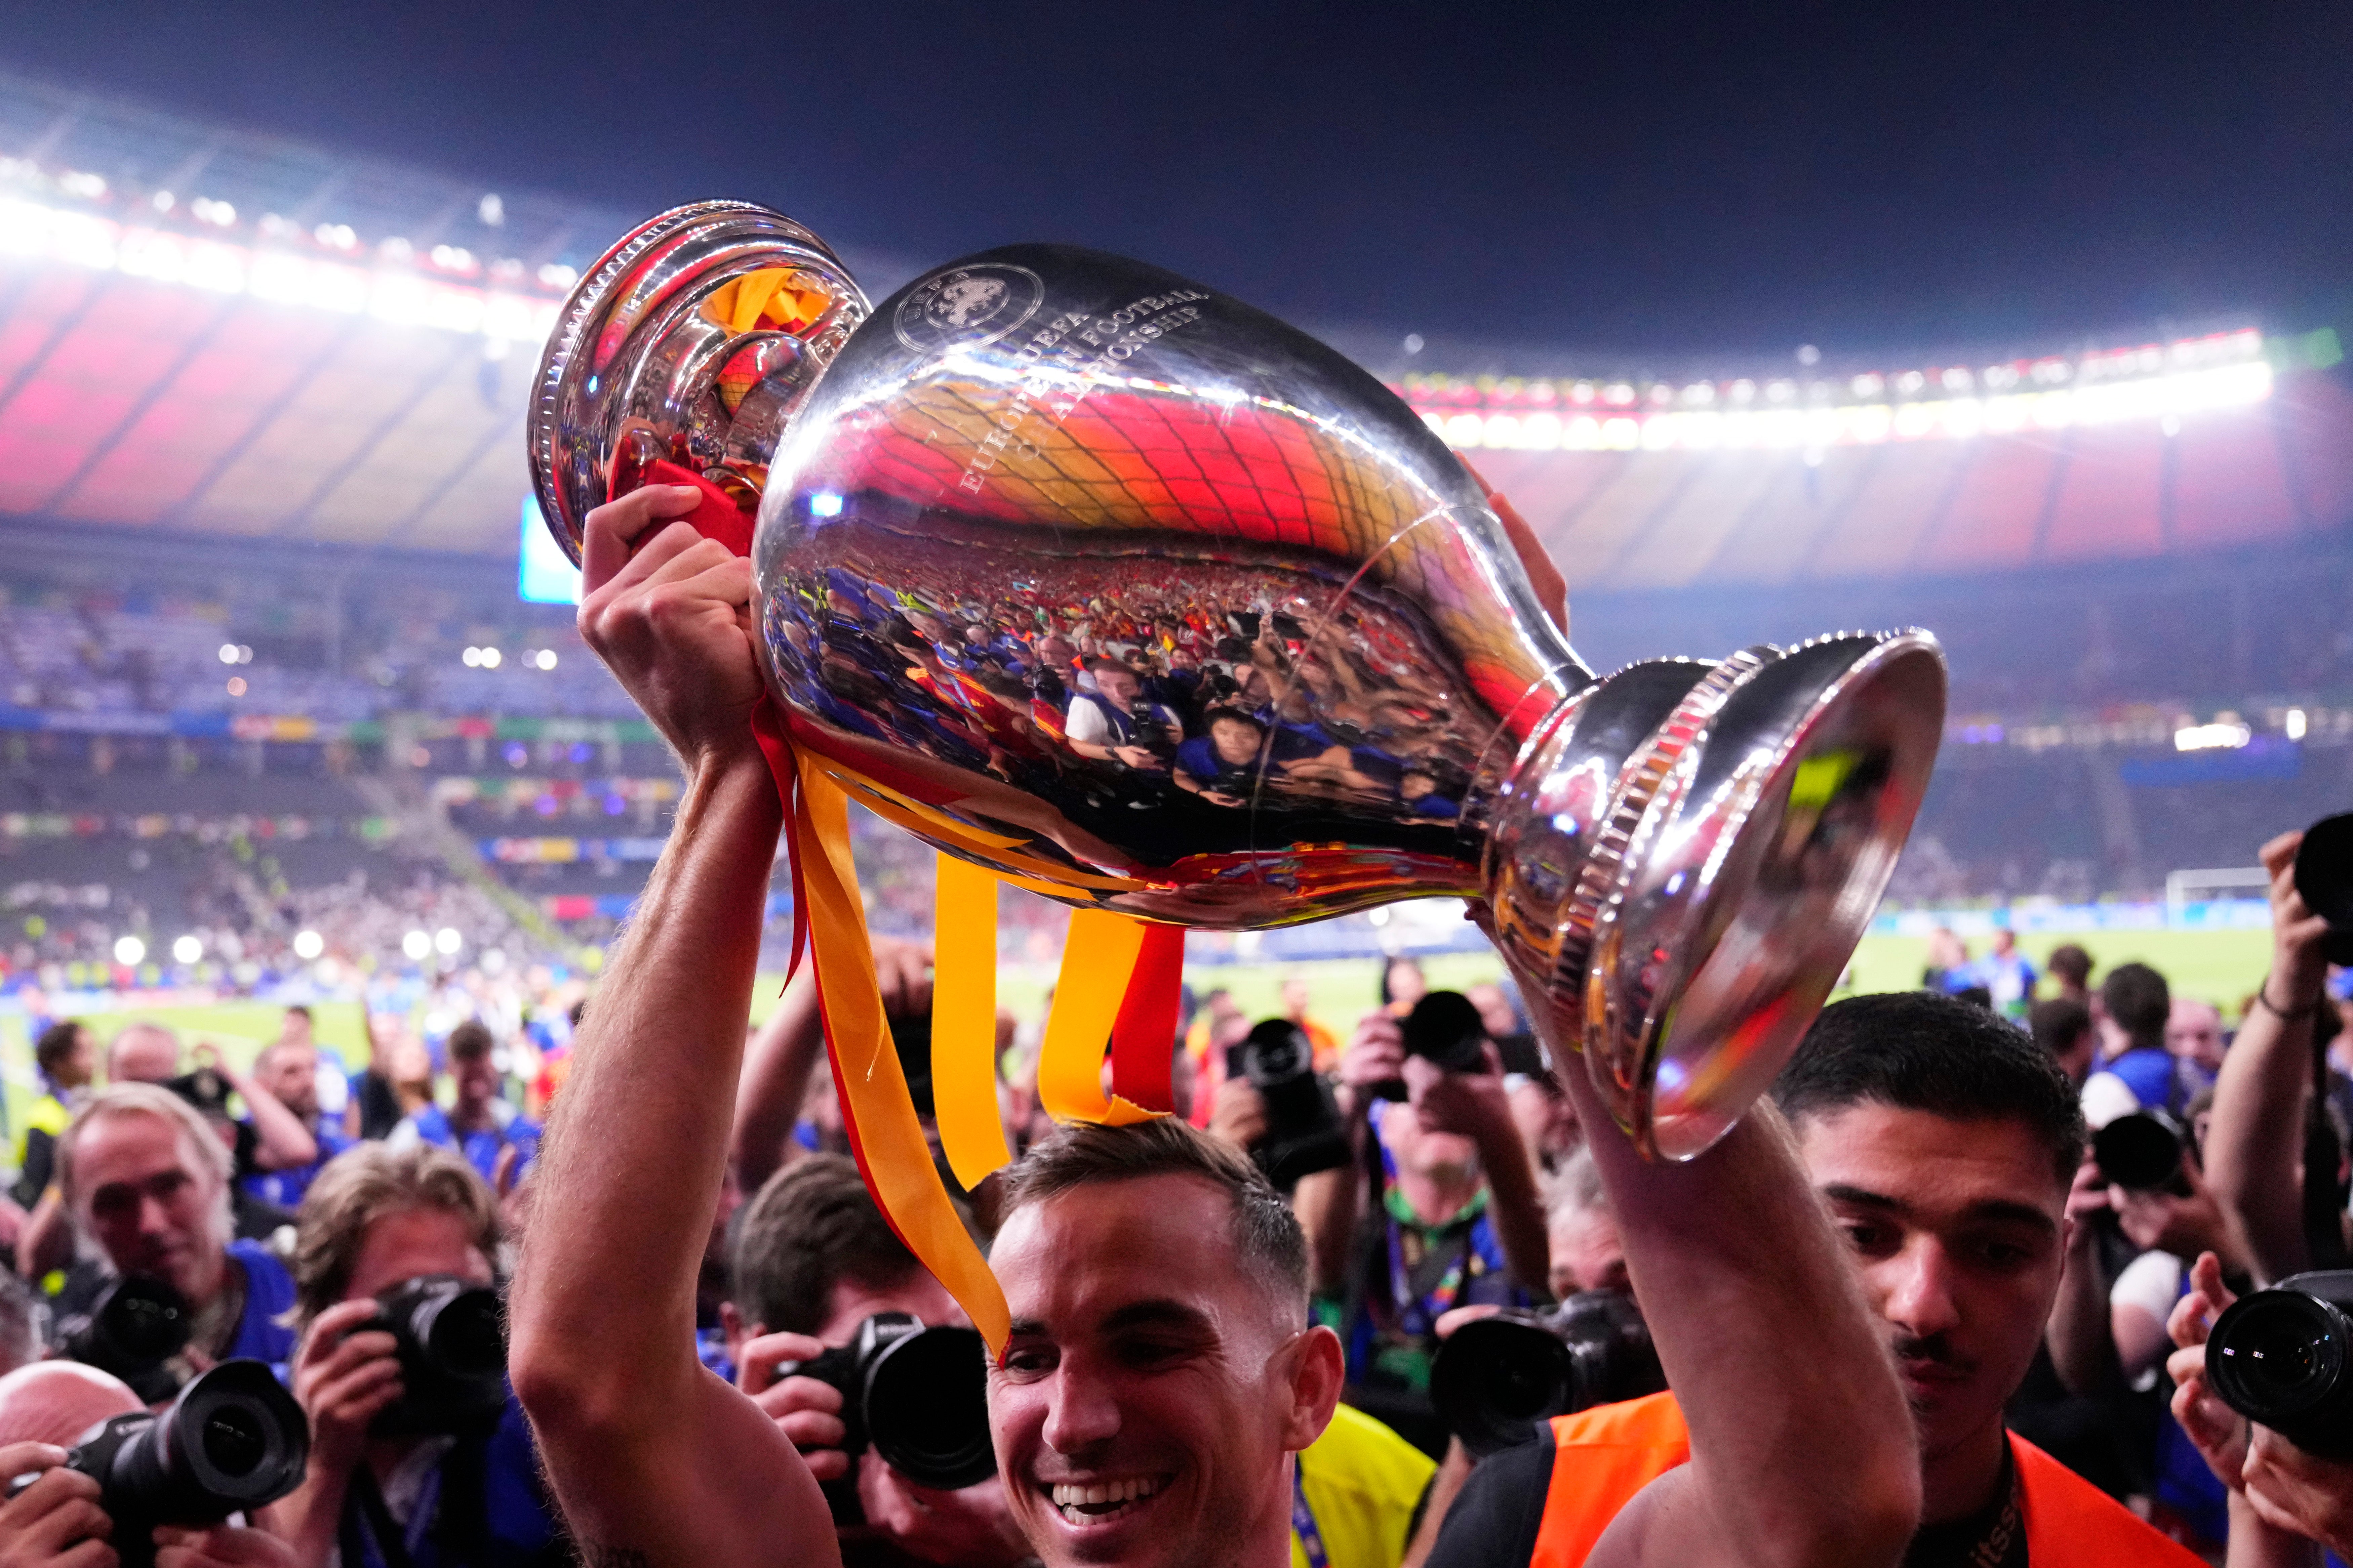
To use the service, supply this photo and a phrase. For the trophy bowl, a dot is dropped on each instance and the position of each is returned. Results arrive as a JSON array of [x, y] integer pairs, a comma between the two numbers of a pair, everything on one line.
[[1144, 600]]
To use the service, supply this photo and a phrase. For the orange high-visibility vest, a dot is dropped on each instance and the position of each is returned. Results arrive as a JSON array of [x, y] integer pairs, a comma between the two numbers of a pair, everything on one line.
[[1605, 1454]]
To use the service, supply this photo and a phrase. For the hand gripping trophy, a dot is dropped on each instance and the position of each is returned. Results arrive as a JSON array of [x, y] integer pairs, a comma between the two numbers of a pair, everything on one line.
[[984, 507]]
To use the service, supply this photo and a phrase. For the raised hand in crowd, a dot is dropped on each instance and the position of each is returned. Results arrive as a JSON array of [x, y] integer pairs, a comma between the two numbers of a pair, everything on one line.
[[2283, 1499], [2253, 1160]]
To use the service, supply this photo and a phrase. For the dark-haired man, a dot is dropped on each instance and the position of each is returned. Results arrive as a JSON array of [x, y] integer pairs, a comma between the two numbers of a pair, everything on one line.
[[812, 1259], [67, 1061], [1161, 1371], [498, 1140], [2139, 1002], [1944, 1141]]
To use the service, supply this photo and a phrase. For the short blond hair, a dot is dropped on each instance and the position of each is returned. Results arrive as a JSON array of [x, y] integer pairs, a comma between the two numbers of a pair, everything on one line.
[[362, 1185], [211, 1155]]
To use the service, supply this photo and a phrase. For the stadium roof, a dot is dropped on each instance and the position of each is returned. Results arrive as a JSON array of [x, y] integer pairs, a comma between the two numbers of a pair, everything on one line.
[[207, 332]]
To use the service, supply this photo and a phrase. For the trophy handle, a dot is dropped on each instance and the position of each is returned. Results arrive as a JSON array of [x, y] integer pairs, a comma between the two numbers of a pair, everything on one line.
[[680, 357]]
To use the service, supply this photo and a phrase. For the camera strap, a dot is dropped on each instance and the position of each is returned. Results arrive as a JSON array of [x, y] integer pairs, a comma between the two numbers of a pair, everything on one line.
[[394, 1547], [1302, 1520]]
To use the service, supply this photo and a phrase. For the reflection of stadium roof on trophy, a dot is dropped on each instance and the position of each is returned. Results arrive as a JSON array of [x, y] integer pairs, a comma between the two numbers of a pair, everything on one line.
[[207, 332]]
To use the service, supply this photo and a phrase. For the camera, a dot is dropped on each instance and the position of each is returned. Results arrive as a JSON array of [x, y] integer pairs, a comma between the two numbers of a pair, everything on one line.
[[2142, 1150], [2281, 1357], [1494, 1378], [451, 1340], [232, 1441], [919, 1396], [2324, 875], [1443, 1028], [1302, 1120], [133, 1329]]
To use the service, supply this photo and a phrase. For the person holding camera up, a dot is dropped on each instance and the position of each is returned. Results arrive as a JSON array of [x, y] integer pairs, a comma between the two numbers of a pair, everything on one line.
[[419, 1455], [145, 1177], [1161, 1368], [1453, 1219], [813, 1261]]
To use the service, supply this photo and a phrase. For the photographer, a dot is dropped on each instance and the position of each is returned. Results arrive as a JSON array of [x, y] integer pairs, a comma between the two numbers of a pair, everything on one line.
[[813, 1258], [1451, 1218], [1159, 1338], [148, 1180], [499, 1141], [1113, 724], [421, 1494]]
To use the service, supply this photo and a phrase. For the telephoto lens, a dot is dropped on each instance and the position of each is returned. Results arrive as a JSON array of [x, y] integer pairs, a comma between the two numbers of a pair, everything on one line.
[[2140, 1150], [2280, 1357], [133, 1330], [232, 1441], [1496, 1378], [1445, 1029], [1303, 1134], [452, 1344], [919, 1396]]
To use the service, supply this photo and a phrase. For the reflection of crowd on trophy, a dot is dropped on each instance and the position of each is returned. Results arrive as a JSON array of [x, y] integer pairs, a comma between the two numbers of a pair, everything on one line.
[[1139, 680]]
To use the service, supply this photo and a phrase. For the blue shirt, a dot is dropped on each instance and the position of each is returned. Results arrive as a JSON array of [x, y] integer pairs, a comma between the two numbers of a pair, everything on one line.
[[285, 1188], [508, 1125], [518, 1525], [269, 1297], [2147, 1071]]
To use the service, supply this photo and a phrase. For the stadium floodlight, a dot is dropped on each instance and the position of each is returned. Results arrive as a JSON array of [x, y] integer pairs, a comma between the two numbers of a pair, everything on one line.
[[309, 944], [417, 946], [186, 950], [472, 658], [2225, 734], [447, 941], [2294, 726], [228, 653], [129, 950], [544, 659], [490, 658]]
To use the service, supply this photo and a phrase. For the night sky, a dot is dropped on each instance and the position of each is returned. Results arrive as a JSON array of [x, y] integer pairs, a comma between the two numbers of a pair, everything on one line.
[[1628, 179]]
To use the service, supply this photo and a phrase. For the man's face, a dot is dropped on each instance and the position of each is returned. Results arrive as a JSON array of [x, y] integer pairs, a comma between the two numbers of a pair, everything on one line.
[[1145, 1371], [291, 1072], [1118, 686], [296, 1027], [409, 1243], [1237, 743], [1955, 1227], [152, 1208], [1586, 1252], [75, 1069], [1495, 1010], [1422, 1150], [2193, 1031], [477, 1081], [142, 1055], [1294, 997]]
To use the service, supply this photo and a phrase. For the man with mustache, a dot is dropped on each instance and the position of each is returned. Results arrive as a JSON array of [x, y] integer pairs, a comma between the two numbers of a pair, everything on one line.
[[1162, 1373], [1943, 1140]]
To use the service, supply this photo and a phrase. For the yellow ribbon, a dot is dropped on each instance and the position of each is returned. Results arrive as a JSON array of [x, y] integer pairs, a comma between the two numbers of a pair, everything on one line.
[[964, 1021], [890, 1141], [1098, 959]]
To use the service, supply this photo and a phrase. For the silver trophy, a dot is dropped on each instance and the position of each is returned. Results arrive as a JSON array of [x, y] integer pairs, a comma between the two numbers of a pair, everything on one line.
[[1143, 599]]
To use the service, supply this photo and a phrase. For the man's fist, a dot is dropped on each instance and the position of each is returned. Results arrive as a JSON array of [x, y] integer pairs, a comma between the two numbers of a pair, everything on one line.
[[670, 613]]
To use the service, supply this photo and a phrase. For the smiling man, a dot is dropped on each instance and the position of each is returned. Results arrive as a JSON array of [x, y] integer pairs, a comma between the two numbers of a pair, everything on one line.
[[1943, 1140]]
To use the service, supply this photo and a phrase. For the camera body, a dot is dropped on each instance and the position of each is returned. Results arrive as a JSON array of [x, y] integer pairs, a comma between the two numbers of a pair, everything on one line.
[[1302, 1120], [450, 1337], [2284, 1357], [2142, 1152], [1494, 1378], [133, 1329], [919, 1396], [2324, 875], [1444, 1029], [233, 1440]]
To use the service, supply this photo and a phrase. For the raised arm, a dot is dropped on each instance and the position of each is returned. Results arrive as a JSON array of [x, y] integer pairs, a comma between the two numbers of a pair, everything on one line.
[[280, 1141], [1803, 1450], [655, 1461], [2254, 1143]]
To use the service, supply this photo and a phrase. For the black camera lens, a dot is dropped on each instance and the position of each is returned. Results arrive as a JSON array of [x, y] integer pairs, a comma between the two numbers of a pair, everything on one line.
[[926, 1407], [1447, 1030], [233, 1441], [2140, 1150], [450, 1337], [133, 1330], [467, 1336], [1496, 1378], [2279, 1357]]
